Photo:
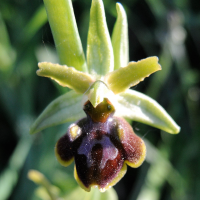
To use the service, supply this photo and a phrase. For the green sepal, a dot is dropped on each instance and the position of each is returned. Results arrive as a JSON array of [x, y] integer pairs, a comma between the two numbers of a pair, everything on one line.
[[66, 76], [65, 108], [100, 57], [139, 107], [123, 78], [65, 33], [98, 91], [120, 39]]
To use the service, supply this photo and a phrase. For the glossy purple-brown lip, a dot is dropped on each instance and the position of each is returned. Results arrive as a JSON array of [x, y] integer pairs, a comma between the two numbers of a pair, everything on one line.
[[101, 145]]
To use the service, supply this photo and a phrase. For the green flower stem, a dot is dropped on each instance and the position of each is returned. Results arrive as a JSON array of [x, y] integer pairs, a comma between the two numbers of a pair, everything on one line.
[[99, 48], [65, 32], [66, 76], [120, 39]]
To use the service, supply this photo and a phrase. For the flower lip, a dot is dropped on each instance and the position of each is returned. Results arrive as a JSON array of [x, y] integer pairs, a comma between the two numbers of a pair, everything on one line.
[[101, 150]]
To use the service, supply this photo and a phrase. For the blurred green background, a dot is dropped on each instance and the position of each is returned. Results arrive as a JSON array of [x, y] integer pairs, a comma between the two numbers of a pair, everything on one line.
[[168, 29]]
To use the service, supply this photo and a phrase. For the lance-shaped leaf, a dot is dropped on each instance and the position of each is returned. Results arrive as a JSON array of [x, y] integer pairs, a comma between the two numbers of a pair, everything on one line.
[[65, 33], [66, 76], [98, 91], [139, 107], [123, 78], [64, 109], [99, 48], [120, 39]]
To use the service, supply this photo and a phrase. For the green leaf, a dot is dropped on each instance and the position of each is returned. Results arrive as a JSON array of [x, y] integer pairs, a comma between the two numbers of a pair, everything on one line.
[[7, 55], [98, 91], [139, 107], [37, 21], [80, 194], [64, 109], [159, 172], [65, 33], [99, 48], [123, 78], [120, 39], [10, 176], [66, 76]]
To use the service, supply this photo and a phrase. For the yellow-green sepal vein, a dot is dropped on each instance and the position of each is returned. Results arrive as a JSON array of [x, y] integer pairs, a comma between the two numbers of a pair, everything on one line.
[[65, 108], [123, 78], [100, 57], [66, 76], [139, 107], [65, 33], [120, 39]]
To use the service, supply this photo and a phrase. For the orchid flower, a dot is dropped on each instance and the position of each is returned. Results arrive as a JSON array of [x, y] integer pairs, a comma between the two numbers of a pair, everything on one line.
[[100, 141]]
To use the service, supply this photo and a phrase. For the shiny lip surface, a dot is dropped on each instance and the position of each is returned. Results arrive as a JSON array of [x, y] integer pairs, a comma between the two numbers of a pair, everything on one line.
[[101, 150]]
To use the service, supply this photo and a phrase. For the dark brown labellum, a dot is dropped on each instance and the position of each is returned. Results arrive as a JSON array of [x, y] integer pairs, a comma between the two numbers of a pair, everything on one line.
[[101, 145]]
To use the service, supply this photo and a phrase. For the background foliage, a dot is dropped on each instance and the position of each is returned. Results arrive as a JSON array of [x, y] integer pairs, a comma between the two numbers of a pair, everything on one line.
[[168, 29]]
